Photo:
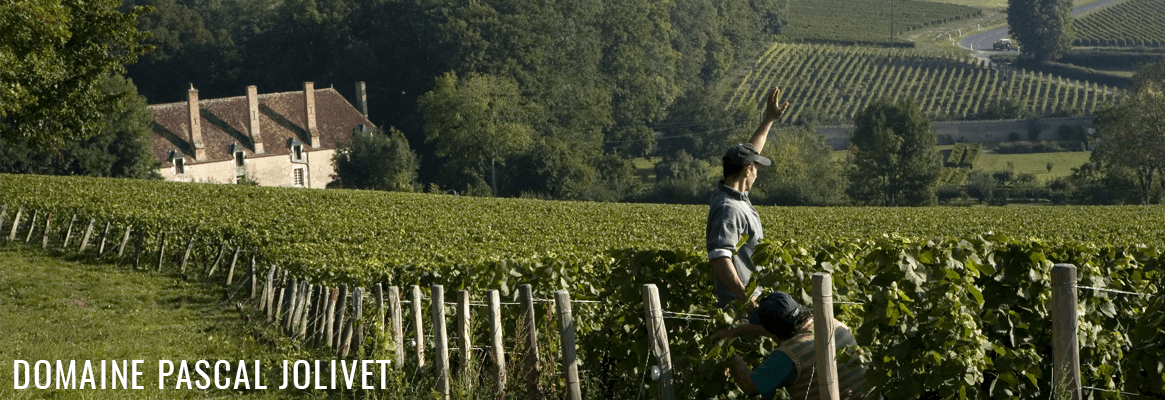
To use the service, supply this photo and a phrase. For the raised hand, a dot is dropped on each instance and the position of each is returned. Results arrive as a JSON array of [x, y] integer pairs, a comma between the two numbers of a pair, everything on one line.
[[774, 110]]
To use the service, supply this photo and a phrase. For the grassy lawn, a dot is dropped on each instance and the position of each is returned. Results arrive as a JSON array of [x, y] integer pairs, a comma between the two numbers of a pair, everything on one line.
[[54, 309], [1062, 163]]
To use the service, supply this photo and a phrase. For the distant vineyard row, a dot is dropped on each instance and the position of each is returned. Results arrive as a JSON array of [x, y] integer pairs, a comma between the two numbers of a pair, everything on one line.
[[867, 20], [1131, 23], [832, 83]]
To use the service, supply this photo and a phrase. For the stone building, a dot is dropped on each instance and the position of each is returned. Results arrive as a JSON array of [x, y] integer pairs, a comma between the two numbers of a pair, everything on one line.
[[276, 139]]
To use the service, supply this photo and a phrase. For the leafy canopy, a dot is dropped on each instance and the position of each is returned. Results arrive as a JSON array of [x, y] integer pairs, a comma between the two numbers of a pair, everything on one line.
[[896, 161], [54, 57]]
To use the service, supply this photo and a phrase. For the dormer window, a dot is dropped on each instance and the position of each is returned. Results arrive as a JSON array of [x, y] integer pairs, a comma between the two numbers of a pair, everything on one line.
[[178, 161], [240, 157], [297, 152]]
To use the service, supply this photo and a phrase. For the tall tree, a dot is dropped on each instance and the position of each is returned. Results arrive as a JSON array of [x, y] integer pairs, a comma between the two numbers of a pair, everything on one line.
[[477, 122], [120, 149], [1043, 28], [896, 162], [1132, 134], [377, 161], [1153, 72], [54, 56], [803, 171]]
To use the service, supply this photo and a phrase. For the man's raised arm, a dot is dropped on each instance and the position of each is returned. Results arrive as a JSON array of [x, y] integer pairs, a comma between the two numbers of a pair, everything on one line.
[[774, 110]]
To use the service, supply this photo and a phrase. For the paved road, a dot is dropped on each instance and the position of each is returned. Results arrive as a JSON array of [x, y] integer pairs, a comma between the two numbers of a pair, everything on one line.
[[983, 41]]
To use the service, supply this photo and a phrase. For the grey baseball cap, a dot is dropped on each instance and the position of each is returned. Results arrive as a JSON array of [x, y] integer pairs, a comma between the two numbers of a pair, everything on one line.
[[744, 154]]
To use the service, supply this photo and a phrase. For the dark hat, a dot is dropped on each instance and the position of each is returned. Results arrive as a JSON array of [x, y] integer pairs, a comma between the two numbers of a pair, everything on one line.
[[778, 313], [745, 154]]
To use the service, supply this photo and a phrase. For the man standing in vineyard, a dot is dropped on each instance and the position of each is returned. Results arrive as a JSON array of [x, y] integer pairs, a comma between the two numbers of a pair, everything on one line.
[[793, 364], [733, 224]]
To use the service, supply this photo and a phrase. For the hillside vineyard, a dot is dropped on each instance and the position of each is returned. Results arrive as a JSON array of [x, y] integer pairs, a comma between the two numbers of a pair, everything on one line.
[[837, 82]]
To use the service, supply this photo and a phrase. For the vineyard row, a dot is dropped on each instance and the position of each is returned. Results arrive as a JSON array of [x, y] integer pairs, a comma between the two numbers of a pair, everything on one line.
[[834, 83], [1125, 24]]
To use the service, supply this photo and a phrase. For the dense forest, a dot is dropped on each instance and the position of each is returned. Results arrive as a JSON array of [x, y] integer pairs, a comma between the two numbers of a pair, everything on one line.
[[566, 92]]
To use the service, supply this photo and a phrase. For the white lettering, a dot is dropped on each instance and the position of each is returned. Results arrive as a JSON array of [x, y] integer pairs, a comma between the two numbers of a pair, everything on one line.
[[16, 374], [204, 383], [163, 372]]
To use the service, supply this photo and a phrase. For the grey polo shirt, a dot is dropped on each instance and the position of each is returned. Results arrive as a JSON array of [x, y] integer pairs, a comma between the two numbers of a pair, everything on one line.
[[731, 217]]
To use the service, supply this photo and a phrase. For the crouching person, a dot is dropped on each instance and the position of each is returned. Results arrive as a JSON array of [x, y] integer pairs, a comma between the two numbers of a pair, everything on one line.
[[792, 365]]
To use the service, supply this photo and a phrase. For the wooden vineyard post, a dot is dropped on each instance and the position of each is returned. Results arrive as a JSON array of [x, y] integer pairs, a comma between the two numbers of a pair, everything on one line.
[[530, 330], [186, 257], [341, 306], [395, 317], [497, 349], [345, 338], [288, 304], [234, 259], [104, 237], [3, 215], [32, 226], [657, 340], [161, 251], [418, 331], [280, 297], [441, 359], [15, 224], [318, 319], [250, 272], [1066, 357], [44, 242], [88, 233], [566, 332], [329, 318], [464, 343], [292, 321], [124, 241], [378, 295], [137, 252], [309, 295], [217, 259], [823, 337], [69, 233], [269, 293], [358, 316]]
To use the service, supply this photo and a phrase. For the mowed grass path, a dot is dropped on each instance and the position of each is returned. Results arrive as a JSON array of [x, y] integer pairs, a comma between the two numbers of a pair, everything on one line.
[[54, 309]]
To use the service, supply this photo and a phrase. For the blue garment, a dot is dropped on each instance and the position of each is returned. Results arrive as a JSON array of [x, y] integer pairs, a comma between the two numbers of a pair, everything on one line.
[[775, 371], [730, 218]]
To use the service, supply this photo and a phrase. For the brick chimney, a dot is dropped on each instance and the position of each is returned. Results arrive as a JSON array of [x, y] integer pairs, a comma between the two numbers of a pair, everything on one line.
[[309, 104], [362, 99], [195, 125], [253, 113]]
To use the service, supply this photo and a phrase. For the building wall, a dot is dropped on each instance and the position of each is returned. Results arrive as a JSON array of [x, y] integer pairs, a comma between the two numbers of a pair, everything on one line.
[[274, 170], [971, 131]]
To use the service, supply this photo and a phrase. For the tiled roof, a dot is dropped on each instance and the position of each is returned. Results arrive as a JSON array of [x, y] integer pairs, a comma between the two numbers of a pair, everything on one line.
[[281, 118]]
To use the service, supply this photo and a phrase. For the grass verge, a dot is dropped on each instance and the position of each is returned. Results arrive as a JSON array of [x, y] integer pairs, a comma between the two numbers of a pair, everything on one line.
[[76, 309]]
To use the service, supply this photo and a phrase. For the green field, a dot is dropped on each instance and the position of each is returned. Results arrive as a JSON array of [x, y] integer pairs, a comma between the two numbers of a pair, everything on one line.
[[1037, 163], [1126, 24], [56, 309], [834, 83], [866, 20]]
